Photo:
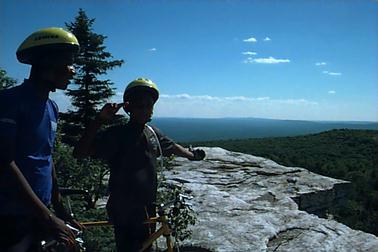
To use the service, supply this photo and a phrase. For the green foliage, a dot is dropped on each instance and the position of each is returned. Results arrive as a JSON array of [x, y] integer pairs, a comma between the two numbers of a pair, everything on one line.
[[345, 154], [181, 223], [91, 63], [168, 192], [6, 81], [88, 174], [97, 239]]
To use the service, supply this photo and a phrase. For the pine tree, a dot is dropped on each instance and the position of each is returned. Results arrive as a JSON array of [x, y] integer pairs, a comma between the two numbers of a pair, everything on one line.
[[91, 91], [6, 81]]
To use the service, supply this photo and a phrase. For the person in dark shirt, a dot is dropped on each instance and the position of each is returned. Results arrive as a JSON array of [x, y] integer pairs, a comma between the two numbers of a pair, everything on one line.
[[131, 151], [28, 120]]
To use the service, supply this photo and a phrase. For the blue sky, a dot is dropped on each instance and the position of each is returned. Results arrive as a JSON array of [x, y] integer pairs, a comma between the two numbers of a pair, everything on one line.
[[308, 60]]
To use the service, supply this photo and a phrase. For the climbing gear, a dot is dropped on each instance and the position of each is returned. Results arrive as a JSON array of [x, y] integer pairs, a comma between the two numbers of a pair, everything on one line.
[[45, 41], [141, 84]]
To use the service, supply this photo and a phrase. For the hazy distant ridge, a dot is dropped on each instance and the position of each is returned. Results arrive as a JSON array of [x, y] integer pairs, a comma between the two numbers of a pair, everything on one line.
[[197, 129]]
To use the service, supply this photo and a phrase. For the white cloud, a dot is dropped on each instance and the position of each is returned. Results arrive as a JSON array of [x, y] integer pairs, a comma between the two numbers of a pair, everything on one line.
[[320, 63], [296, 102], [207, 106], [331, 92], [267, 39], [263, 98], [269, 60], [236, 98], [249, 53], [332, 73], [248, 60], [189, 97], [233, 98], [243, 98], [152, 49], [251, 39]]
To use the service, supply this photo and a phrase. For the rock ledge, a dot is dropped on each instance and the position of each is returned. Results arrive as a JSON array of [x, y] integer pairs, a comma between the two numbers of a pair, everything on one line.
[[248, 203]]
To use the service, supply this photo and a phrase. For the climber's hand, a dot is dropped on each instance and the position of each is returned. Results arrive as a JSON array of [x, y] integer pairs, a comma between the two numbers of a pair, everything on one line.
[[198, 154]]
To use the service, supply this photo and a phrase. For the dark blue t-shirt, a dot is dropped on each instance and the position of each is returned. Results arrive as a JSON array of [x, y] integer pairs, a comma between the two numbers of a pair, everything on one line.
[[131, 151], [29, 122]]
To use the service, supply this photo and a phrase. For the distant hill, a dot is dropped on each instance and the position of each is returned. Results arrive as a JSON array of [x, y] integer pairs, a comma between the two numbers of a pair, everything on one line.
[[197, 129], [345, 154]]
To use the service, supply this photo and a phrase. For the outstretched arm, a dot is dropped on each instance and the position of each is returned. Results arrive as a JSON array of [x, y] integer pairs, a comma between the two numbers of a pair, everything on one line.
[[180, 151], [191, 154], [169, 147]]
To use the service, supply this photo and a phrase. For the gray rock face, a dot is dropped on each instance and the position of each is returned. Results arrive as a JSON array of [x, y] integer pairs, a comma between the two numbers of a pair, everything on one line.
[[248, 203]]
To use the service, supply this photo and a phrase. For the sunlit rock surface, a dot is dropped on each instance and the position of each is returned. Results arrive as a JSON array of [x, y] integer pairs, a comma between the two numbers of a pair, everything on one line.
[[248, 203]]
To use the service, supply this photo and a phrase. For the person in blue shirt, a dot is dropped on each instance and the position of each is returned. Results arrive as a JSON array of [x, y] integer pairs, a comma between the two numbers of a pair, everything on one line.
[[28, 121]]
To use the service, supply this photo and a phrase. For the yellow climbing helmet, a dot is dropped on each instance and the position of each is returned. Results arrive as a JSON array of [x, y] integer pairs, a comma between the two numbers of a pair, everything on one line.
[[46, 40], [141, 84]]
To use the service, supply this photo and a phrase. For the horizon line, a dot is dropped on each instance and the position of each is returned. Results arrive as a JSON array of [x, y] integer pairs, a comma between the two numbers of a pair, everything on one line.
[[264, 118]]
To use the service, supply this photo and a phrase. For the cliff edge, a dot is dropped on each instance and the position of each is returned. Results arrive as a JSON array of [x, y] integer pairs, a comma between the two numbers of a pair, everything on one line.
[[249, 203]]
